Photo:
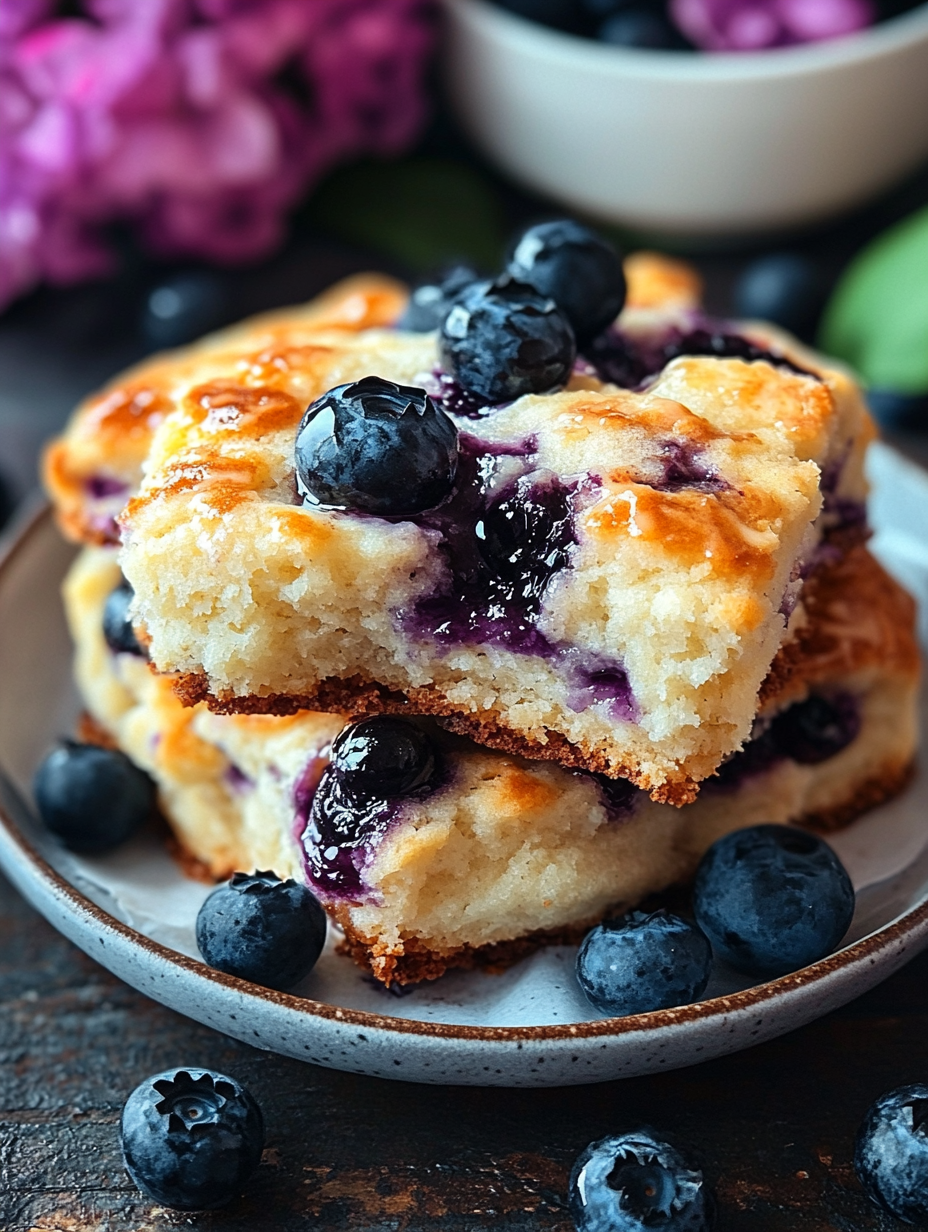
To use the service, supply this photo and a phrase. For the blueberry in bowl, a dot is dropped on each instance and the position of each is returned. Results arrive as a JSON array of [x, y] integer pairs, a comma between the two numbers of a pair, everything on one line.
[[91, 798], [891, 1153], [635, 1181], [262, 929], [376, 447], [772, 899], [643, 962], [504, 339], [577, 268], [191, 1138]]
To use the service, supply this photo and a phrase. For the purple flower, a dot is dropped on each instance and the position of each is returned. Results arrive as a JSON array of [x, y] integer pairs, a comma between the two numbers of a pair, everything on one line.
[[203, 121], [751, 25]]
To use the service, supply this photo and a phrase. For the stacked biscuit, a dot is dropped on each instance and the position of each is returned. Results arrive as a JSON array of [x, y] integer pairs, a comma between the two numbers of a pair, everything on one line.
[[712, 645]]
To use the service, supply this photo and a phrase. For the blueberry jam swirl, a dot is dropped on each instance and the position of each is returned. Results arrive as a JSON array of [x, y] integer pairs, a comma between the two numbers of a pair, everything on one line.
[[502, 550]]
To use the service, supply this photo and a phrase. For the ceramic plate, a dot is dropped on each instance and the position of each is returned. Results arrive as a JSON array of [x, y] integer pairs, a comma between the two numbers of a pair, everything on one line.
[[134, 911]]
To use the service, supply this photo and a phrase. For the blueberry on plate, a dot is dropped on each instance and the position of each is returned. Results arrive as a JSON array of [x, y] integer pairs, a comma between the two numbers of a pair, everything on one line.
[[503, 339], [782, 287], [383, 757], [91, 798], [117, 627], [643, 962], [891, 1153], [636, 1181], [376, 447], [772, 899], [430, 302], [191, 1138], [575, 267], [262, 929]]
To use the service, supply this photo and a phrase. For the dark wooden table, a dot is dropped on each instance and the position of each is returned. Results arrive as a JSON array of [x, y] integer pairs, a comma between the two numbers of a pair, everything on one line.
[[775, 1125]]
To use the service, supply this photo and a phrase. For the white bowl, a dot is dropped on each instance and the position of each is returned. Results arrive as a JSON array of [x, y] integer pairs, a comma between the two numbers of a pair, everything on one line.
[[694, 144]]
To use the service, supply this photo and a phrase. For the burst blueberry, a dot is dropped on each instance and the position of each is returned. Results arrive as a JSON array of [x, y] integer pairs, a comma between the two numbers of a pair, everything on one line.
[[637, 1181], [644, 962], [262, 929], [503, 339], [191, 1138], [430, 302], [526, 537], [117, 627], [578, 269], [772, 899], [376, 447], [891, 1153], [383, 757], [813, 730], [91, 798]]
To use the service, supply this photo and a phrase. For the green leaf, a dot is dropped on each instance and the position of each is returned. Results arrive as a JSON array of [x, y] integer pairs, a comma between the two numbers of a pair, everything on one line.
[[877, 318], [423, 212]]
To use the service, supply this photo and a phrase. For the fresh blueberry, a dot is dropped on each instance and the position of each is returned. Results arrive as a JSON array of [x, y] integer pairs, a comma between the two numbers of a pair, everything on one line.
[[182, 308], [641, 27], [376, 447], [117, 627], [894, 410], [782, 287], [262, 929], [817, 728], [503, 339], [643, 962], [636, 1181], [191, 1138], [430, 303], [575, 267], [92, 798], [383, 757], [891, 1153], [772, 899]]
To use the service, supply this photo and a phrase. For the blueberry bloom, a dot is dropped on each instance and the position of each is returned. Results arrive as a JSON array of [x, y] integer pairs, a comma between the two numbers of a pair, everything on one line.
[[752, 25], [201, 120]]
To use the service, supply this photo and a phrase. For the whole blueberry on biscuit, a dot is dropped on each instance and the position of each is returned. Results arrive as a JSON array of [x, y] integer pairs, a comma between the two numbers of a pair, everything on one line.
[[376, 447], [191, 1138], [578, 269], [504, 339], [430, 302]]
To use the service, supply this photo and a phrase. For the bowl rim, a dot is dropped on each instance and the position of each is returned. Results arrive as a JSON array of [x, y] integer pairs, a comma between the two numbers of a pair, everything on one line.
[[908, 929], [572, 51]]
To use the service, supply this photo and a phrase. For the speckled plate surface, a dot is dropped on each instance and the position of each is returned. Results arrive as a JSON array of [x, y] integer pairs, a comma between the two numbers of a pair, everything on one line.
[[134, 911]]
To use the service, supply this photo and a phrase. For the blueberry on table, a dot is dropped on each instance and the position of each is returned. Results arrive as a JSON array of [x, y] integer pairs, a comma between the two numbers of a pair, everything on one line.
[[636, 1181], [383, 757], [578, 269], [117, 627], [91, 798], [191, 1138], [891, 1153], [376, 447], [262, 929], [430, 302], [503, 339], [782, 287], [643, 962], [772, 899]]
